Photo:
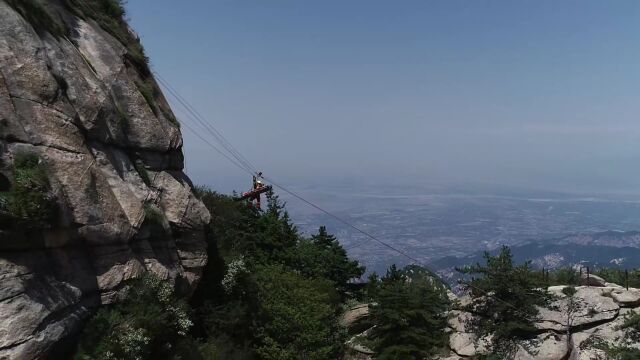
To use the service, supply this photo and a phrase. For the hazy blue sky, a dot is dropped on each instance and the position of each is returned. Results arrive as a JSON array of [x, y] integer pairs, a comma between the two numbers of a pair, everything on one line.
[[543, 94]]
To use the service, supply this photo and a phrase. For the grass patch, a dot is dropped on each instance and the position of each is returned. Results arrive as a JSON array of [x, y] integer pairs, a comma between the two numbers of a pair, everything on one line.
[[169, 116], [151, 322], [123, 118], [30, 198], [142, 171], [153, 214], [37, 15], [149, 93], [110, 15]]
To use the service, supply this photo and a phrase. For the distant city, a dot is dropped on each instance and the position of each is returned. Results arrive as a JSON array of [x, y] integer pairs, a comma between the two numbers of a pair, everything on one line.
[[433, 223]]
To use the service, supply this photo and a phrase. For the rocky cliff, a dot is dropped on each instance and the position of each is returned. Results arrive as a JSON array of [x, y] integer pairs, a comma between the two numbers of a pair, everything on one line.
[[568, 328], [91, 181], [565, 331]]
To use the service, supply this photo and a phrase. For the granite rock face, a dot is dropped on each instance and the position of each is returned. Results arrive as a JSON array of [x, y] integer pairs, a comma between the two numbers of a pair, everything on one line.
[[564, 331], [112, 153]]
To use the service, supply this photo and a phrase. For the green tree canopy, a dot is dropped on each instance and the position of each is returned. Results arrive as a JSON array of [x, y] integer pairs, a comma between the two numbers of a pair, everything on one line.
[[150, 323], [298, 318], [322, 256], [504, 299], [409, 313]]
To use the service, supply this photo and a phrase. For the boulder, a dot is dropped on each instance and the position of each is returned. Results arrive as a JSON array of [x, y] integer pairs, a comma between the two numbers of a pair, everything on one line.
[[595, 316], [592, 280], [354, 315], [468, 344], [462, 342], [626, 298], [593, 305], [357, 351], [546, 346], [584, 341]]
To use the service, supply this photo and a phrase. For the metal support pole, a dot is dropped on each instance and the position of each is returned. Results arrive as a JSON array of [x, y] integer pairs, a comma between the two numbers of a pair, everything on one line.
[[626, 278], [580, 277]]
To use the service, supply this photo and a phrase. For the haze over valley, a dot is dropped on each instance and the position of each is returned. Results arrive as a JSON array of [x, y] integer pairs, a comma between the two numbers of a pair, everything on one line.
[[430, 223]]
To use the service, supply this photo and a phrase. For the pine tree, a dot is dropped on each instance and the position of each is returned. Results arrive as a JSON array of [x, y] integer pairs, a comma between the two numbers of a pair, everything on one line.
[[505, 297], [409, 315], [297, 319], [324, 257]]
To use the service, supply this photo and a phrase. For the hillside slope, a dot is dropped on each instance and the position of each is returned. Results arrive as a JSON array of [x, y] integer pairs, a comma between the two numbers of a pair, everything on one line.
[[91, 177]]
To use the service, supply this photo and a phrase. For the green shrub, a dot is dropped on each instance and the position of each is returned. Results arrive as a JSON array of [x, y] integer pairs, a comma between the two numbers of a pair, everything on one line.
[[619, 277], [109, 14], [37, 15], [170, 117], [631, 326], [123, 120], [153, 215], [149, 94], [264, 292], [409, 314], [297, 317], [30, 198], [509, 312], [148, 324], [322, 256], [142, 171]]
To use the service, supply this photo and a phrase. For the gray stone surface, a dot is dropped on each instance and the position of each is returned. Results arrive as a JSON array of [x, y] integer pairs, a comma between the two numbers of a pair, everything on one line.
[[592, 280], [355, 314], [597, 314], [593, 305], [94, 132], [546, 346]]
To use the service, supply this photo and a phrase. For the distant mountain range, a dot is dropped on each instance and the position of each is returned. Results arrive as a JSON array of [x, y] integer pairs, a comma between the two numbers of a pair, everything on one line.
[[613, 249]]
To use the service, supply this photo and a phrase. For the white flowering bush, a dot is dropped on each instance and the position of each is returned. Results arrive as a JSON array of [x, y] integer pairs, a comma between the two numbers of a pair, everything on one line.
[[134, 343], [146, 325], [235, 268]]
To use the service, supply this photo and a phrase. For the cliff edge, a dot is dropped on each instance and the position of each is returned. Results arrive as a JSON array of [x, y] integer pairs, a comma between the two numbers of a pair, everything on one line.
[[92, 191]]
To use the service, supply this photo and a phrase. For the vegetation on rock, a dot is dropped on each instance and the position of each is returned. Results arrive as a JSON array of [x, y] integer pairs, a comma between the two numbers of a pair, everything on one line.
[[623, 351], [266, 293], [29, 199], [262, 296], [36, 13], [150, 323], [110, 15], [504, 299], [409, 313]]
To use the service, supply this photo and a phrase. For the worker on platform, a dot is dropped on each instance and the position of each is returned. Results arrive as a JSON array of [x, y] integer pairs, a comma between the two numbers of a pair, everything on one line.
[[257, 183]]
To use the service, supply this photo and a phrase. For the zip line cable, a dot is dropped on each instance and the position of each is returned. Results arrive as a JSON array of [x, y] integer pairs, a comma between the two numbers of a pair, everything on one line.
[[345, 222], [191, 110], [234, 162], [242, 165], [194, 113], [206, 124], [207, 127], [186, 105], [223, 141], [247, 166]]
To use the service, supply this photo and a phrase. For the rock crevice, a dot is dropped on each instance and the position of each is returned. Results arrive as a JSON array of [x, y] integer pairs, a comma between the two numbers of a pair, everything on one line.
[[598, 313]]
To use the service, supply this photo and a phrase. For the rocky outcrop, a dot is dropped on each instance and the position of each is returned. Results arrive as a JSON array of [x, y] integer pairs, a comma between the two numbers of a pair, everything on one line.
[[356, 321], [592, 280], [355, 315], [566, 331], [98, 123]]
